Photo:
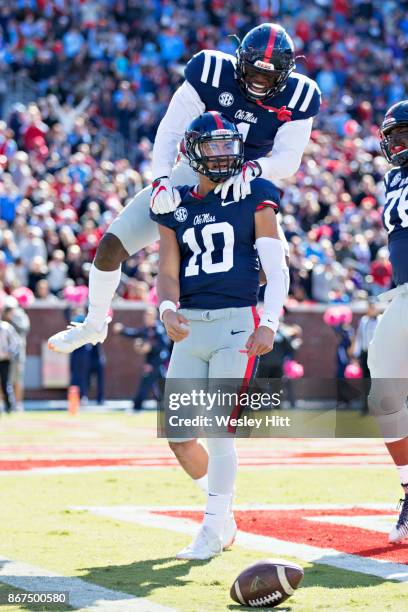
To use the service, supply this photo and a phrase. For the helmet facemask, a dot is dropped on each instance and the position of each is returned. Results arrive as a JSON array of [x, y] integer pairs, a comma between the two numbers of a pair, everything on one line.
[[260, 84], [217, 155], [394, 144]]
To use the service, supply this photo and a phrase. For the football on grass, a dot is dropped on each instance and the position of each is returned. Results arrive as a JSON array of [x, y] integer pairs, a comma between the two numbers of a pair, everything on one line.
[[266, 583]]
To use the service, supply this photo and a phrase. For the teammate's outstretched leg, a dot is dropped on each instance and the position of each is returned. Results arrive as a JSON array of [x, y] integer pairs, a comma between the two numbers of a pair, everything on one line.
[[104, 278]]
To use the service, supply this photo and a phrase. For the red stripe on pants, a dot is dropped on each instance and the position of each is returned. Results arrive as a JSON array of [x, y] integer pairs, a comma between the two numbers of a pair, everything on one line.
[[247, 377]]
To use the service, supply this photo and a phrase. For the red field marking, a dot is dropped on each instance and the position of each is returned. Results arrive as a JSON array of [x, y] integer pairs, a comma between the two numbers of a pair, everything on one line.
[[21, 457], [293, 526], [30, 464], [120, 449], [161, 461]]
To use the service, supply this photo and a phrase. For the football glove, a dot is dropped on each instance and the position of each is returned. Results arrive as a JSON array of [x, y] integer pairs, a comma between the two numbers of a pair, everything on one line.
[[240, 183], [164, 197]]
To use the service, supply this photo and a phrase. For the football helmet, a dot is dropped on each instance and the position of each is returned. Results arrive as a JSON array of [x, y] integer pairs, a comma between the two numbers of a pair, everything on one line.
[[265, 59], [394, 134], [213, 146]]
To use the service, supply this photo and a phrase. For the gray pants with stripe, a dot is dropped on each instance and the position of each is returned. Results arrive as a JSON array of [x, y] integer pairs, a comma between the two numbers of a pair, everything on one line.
[[214, 348]]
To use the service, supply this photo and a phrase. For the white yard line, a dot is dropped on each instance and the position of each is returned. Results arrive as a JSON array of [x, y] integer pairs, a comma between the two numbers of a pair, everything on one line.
[[255, 506], [326, 556], [82, 594]]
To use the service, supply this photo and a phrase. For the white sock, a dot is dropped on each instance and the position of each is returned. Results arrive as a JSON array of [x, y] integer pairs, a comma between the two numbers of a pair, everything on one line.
[[222, 465], [403, 474], [217, 509], [222, 471], [102, 287], [202, 483]]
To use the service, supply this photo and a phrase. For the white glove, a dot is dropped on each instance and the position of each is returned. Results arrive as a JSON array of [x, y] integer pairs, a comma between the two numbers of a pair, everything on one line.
[[164, 197], [241, 182]]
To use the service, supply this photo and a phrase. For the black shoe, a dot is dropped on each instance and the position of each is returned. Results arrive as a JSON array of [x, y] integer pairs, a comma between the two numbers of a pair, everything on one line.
[[400, 531]]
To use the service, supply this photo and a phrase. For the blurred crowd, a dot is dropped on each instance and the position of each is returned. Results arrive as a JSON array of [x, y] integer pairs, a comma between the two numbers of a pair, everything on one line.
[[108, 67]]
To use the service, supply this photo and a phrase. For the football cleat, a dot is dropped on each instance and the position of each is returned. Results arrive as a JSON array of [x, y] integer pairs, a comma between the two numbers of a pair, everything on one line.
[[400, 531], [76, 335], [206, 545], [230, 532]]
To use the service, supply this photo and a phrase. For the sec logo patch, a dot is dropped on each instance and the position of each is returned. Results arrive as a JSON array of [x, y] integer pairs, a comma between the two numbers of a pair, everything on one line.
[[180, 214], [226, 99]]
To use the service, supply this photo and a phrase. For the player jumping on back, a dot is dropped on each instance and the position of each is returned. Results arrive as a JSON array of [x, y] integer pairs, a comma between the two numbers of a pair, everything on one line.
[[388, 351], [208, 263], [273, 107]]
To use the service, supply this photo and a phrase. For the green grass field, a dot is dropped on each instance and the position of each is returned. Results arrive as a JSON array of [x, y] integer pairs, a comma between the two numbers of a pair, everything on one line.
[[41, 523]]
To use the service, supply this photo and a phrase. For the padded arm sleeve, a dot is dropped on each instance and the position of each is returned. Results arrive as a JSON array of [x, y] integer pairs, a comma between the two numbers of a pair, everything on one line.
[[290, 142], [272, 256]]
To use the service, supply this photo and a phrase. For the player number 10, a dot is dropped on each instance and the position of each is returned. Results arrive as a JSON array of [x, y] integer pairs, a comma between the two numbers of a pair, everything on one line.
[[207, 234]]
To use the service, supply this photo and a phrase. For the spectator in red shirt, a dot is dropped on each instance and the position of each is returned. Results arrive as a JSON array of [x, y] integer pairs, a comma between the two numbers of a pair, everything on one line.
[[35, 130], [381, 271]]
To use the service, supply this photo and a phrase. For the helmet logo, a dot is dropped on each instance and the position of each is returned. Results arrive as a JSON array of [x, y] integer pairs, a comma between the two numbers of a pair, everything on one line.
[[264, 65], [222, 133], [226, 99], [180, 214]]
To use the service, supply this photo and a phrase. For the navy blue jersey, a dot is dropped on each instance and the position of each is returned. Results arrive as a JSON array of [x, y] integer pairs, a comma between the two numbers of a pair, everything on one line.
[[395, 219], [219, 264], [212, 74]]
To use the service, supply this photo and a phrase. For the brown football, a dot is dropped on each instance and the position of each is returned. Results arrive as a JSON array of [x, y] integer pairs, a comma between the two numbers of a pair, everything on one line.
[[266, 583]]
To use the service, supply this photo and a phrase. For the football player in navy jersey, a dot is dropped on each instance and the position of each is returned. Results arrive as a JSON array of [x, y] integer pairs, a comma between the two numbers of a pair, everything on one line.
[[273, 107], [209, 266], [388, 351]]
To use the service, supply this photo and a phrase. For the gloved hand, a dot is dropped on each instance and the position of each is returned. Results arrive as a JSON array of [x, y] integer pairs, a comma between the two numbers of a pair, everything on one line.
[[241, 183], [164, 197]]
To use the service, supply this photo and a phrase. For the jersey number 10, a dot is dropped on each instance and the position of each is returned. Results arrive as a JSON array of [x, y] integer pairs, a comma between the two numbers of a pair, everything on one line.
[[207, 234]]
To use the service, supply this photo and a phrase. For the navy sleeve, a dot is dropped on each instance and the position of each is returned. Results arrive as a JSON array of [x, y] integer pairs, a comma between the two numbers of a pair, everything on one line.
[[194, 69], [314, 105], [308, 104], [166, 220], [266, 195]]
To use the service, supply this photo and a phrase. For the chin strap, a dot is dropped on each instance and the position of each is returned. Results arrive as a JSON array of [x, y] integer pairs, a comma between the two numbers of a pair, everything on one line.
[[283, 113]]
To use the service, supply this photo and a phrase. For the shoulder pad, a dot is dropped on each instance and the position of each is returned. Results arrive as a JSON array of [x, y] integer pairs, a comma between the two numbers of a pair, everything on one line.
[[183, 190], [205, 67], [304, 96], [263, 189], [167, 220], [172, 220]]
